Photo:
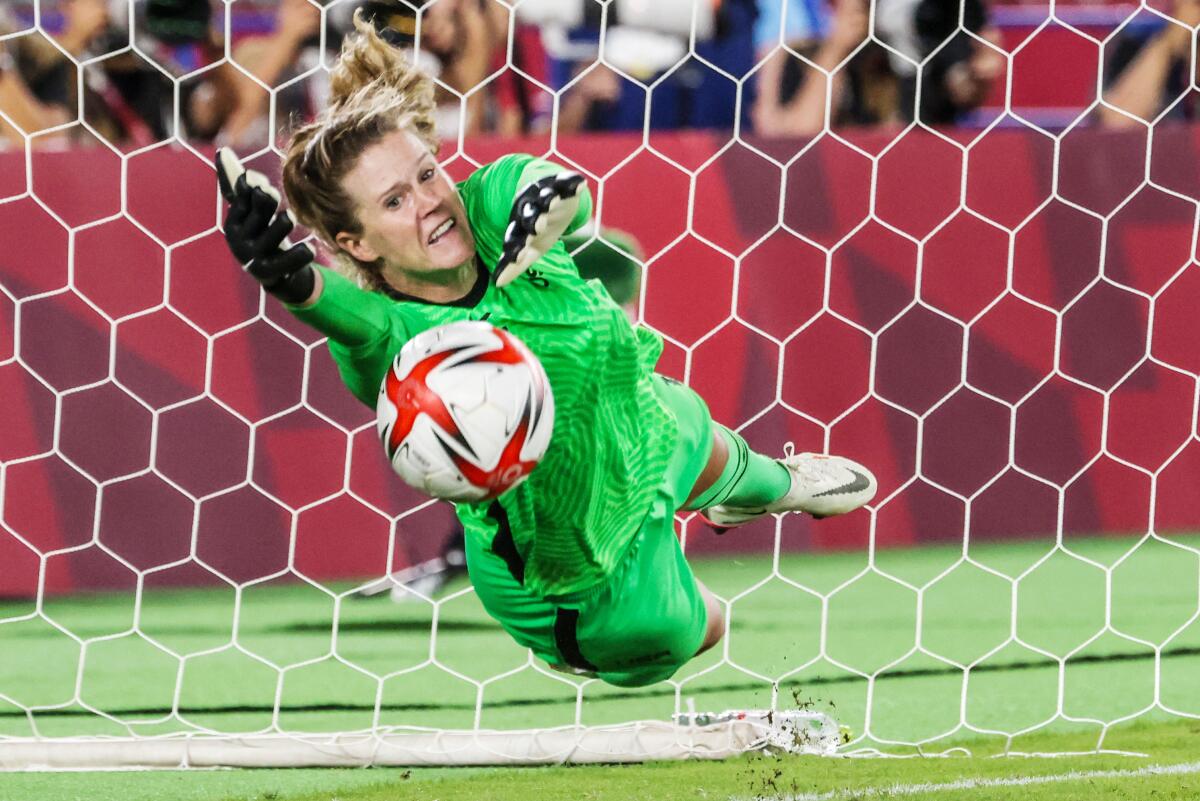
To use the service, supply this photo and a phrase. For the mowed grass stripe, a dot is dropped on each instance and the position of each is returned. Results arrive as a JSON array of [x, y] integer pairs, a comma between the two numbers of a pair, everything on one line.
[[661, 690], [775, 628]]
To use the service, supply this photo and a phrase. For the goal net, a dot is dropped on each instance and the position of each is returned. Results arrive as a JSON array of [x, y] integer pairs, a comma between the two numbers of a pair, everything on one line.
[[999, 316]]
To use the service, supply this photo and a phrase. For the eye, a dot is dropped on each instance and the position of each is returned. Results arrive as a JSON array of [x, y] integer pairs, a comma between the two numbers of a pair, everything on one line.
[[393, 202], [427, 175]]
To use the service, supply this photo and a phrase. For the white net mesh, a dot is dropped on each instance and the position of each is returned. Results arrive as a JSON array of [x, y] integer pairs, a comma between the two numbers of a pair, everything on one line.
[[999, 320]]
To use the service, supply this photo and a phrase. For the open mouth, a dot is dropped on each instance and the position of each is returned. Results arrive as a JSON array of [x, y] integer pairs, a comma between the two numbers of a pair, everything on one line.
[[441, 231]]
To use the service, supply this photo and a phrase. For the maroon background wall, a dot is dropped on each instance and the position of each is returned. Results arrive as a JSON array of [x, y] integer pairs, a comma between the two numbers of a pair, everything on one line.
[[191, 427]]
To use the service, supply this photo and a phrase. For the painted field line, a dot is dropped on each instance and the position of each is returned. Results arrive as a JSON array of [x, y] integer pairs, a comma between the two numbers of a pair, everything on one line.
[[900, 790]]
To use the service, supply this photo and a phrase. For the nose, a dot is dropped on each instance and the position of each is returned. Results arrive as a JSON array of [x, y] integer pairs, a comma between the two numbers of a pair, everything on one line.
[[427, 199]]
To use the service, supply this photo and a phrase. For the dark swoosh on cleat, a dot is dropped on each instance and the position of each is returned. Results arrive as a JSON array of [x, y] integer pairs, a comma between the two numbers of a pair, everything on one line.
[[859, 483], [761, 511]]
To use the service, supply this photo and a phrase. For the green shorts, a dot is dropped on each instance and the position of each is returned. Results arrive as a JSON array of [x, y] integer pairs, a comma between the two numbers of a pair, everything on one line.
[[647, 619]]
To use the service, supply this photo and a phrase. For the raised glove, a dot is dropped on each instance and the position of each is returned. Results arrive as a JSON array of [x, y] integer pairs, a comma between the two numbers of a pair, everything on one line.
[[540, 215], [257, 232]]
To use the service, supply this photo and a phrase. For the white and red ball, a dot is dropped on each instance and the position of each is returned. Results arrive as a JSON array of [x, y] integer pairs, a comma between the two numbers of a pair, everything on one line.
[[465, 412]]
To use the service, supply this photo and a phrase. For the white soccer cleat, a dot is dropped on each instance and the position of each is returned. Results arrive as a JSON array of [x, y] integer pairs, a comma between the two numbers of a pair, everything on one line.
[[822, 486]]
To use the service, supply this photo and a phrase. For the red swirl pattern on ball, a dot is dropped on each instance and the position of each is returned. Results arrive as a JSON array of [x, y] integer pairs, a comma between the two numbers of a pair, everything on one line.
[[412, 396]]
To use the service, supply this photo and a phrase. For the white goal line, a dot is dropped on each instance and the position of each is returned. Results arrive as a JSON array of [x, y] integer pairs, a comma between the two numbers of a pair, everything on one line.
[[899, 790]]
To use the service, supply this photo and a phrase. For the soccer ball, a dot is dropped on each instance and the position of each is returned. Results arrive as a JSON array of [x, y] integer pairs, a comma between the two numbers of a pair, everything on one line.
[[465, 412]]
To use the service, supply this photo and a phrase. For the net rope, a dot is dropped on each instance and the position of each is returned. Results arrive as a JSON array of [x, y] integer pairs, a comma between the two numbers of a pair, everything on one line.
[[28, 727]]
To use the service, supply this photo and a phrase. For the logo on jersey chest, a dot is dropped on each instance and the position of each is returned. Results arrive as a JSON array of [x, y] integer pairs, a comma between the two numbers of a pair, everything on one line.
[[536, 278]]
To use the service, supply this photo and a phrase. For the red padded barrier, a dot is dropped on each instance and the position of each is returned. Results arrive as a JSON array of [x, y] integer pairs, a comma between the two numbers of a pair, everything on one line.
[[127, 343]]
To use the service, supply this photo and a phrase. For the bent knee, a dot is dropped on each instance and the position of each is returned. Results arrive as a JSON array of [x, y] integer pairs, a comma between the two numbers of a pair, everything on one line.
[[714, 631]]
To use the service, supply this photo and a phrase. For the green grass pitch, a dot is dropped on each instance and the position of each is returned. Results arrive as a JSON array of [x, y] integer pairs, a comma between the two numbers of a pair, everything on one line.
[[962, 614]]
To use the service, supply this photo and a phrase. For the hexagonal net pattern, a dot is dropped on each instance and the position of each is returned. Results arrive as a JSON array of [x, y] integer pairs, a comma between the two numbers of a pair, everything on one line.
[[1000, 320]]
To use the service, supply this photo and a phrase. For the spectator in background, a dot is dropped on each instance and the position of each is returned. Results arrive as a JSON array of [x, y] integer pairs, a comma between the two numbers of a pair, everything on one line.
[[876, 86], [462, 37], [37, 82], [687, 51], [181, 37], [590, 103], [958, 78], [125, 99], [791, 95], [19, 104], [516, 105], [464, 43], [129, 101], [25, 111], [1151, 71], [289, 50]]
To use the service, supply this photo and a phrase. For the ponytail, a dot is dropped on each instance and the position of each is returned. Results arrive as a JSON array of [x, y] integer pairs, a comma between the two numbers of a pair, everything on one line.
[[375, 91]]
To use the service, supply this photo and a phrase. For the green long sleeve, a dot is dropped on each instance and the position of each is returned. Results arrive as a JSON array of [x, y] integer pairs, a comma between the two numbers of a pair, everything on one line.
[[365, 331], [346, 313]]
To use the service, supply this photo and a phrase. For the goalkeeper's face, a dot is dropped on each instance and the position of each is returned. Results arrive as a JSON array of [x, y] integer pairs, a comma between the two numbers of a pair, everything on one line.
[[410, 212]]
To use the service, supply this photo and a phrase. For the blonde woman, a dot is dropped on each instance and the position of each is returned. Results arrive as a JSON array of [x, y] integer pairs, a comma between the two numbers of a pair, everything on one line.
[[579, 563]]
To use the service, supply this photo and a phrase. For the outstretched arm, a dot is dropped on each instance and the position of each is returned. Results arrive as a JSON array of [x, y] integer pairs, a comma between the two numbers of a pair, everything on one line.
[[256, 231], [364, 332]]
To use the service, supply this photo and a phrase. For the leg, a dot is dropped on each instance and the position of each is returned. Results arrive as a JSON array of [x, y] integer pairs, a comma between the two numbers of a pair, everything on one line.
[[717, 460], [746, 478], [551, 629], [529, 620], [716, 619], [752, 485], [652, 616]]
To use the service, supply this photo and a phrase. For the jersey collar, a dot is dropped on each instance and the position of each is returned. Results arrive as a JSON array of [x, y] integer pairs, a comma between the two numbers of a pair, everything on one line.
[[469, 300]]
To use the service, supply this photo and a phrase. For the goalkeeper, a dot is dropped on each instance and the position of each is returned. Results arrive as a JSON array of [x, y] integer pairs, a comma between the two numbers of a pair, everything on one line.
[[579, 563]]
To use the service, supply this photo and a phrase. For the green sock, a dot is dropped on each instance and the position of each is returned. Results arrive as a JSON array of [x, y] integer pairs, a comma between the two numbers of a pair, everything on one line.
[[748, 480]]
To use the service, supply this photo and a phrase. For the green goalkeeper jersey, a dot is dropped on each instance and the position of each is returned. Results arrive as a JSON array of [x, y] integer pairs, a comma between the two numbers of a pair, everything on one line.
[[576, 514]]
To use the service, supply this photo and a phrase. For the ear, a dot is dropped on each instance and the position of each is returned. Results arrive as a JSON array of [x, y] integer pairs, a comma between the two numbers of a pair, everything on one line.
[[356, 247]]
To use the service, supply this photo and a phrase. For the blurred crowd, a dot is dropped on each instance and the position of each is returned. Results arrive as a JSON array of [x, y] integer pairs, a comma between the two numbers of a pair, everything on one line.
[[139, 71]]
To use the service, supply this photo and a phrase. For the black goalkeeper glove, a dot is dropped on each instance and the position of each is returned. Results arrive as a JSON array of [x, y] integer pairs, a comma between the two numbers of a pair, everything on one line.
[[540, 215], [257, 232]]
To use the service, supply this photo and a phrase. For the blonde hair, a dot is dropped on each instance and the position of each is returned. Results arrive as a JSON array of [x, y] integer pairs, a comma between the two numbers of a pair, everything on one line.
[[375, 91]]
